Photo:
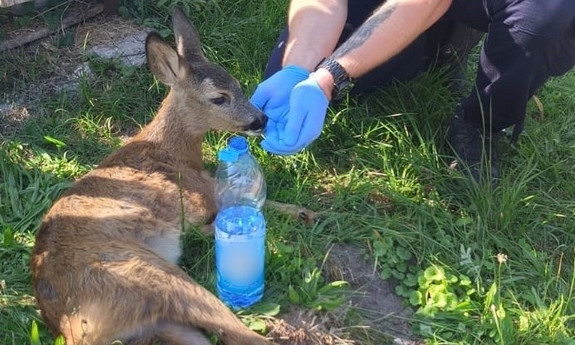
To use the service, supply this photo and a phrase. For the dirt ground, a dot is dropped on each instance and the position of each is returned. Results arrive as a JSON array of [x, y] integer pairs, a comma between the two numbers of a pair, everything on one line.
[[100, 35], [371, 297], [383, 314]]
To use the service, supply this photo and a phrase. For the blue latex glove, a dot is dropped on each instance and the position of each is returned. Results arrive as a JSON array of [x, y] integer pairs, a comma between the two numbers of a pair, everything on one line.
[[272, 95], [301, 124]]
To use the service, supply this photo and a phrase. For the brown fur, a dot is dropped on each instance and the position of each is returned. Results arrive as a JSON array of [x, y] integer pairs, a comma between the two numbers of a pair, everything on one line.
[[104, 263]]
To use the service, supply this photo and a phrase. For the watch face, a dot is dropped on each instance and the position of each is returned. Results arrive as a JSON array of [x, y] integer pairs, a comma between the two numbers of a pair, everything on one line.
[[341, 89]]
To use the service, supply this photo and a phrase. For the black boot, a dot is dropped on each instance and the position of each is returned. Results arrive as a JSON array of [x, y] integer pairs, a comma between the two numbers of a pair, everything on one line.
[[474, 149]]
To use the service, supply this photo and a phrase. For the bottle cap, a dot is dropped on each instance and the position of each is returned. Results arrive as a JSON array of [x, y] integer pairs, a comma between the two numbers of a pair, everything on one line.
[[228, 155], [238, 143]]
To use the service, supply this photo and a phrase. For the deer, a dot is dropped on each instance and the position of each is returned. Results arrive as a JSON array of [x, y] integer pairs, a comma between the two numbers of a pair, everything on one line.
[[104, 265]]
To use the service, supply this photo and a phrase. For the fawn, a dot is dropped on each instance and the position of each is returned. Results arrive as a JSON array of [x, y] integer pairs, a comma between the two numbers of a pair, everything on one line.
[[104, 262]]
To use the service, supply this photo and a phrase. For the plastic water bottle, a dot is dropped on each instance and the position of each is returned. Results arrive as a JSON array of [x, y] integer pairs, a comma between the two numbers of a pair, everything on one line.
[[240, 226], [239, 177]]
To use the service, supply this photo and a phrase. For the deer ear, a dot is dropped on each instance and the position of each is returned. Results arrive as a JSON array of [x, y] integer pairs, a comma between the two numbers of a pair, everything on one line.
[[163, 60], [187, 38]]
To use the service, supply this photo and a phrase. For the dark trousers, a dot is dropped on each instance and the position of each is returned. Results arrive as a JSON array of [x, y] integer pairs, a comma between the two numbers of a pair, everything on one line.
[[527, 42]]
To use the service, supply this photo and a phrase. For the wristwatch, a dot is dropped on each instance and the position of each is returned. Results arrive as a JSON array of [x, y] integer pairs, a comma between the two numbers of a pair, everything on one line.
[[342, 82]]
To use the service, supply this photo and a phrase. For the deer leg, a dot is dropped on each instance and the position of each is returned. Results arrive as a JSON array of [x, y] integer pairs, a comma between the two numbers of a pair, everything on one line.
[[179, 335], [294, 211], [140, 295]]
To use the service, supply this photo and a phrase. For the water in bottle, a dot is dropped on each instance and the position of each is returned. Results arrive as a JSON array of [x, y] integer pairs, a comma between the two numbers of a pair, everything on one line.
[[240, 226], [240, 251]]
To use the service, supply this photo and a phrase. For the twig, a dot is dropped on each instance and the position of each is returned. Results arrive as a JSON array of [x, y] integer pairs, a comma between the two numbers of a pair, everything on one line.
[[43, 32]]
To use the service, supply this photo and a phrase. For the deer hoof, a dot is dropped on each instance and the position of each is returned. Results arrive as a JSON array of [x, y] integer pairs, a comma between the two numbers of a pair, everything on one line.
[[307, 216]]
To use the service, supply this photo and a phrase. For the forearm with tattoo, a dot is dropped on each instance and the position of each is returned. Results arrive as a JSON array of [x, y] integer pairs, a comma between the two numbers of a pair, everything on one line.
[[391, 28], [365, 31]]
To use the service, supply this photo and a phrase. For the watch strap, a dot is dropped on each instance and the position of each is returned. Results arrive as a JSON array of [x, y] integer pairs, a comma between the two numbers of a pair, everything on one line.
[[342, 82]]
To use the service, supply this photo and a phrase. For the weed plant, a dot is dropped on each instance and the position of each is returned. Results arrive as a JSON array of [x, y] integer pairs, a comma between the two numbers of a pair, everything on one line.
[[477, 265]]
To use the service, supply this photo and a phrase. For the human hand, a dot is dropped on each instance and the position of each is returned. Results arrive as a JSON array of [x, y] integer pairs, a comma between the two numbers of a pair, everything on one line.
[[272, 95], [301, 124]]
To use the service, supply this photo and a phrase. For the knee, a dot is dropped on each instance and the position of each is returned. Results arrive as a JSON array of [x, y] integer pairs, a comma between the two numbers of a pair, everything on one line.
[[554, 21], [541, 18]]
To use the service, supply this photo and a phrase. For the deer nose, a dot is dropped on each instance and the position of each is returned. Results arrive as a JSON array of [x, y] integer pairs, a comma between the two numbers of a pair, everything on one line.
[[258, 125]]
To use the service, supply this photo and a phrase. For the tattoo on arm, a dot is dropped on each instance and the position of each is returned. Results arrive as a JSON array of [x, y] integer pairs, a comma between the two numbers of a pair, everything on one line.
[[365, 30]]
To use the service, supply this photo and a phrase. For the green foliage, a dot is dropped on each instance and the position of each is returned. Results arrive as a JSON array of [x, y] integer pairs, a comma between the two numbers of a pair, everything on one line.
[[26, 194], [395, 260], [477, 265], [35, 336], [442, 298], [453, 306], [313, 292]]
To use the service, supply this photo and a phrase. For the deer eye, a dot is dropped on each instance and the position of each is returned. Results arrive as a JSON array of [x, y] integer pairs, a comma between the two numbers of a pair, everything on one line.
[[219, 100]]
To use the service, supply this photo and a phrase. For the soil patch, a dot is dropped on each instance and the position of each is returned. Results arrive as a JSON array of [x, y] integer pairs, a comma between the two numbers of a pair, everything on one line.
[[377, 309], [47, 66]]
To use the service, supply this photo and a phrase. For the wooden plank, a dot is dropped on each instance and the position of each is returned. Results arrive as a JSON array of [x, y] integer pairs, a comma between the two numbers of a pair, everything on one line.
[[43, 32], [10, 3]]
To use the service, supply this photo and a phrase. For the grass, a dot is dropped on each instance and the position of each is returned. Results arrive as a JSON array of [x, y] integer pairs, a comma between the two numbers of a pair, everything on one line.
[[477, 265]]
